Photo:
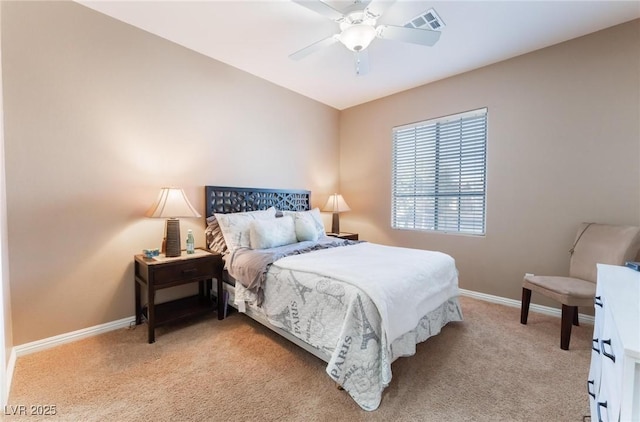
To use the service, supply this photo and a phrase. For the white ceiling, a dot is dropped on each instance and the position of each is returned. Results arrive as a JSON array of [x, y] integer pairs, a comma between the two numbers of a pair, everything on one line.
[[258, 36]]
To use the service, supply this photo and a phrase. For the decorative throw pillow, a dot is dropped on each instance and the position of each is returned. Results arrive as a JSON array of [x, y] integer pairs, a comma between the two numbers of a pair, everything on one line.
[[306, 228], [266, 234], [312, 215], [214, 237], [235, 226]]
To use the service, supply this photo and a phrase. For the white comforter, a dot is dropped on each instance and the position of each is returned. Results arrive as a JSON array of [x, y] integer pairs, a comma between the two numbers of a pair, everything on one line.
[[324, 305], [370, 267]]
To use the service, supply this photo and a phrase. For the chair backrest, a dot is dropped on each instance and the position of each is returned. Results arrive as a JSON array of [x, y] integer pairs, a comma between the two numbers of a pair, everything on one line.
[[602, 244]]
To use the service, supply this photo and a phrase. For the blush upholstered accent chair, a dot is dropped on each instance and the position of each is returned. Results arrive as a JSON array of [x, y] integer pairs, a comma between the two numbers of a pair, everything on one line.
[[594, 244]]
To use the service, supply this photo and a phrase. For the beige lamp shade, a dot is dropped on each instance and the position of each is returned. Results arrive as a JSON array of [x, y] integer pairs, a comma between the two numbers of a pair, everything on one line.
[[336, 204], [172, 204]]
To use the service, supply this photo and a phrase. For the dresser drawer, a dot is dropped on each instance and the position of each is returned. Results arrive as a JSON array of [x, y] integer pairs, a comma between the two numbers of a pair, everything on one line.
[[181, 271], [612, 355], [614, 383]]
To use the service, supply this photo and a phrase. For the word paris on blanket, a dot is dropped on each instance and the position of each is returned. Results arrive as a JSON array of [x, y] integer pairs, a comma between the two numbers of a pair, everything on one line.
[[356, 305]]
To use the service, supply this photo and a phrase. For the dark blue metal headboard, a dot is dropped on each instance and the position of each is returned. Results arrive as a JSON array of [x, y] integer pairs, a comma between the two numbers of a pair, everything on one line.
[[225, 199]]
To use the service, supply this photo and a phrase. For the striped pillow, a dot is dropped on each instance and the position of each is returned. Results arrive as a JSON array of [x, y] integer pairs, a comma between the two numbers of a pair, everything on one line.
[[214, 237]]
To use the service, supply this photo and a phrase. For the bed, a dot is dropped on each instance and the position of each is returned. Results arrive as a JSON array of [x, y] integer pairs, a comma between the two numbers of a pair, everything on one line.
[[356, 305]]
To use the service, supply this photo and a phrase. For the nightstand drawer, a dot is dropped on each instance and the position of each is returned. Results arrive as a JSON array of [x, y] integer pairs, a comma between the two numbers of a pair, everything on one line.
[[196, 269]]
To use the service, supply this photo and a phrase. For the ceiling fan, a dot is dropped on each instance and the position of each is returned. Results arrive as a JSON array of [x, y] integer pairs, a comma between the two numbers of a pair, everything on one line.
[[358, 28]]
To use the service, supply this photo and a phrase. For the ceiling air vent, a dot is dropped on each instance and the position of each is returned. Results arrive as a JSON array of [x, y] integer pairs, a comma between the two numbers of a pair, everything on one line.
[[427, 20]]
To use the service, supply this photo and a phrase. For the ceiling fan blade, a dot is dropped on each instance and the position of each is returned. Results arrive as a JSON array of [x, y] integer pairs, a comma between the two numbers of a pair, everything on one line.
[[362, 62], [411, 35], [321, 8], [300, 54], [378, 7]]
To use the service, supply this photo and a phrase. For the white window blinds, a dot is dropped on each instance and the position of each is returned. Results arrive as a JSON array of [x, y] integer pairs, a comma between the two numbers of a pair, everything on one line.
[[439, 169]]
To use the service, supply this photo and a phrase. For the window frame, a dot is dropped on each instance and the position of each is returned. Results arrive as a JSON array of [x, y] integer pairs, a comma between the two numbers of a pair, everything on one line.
[[470, 203]]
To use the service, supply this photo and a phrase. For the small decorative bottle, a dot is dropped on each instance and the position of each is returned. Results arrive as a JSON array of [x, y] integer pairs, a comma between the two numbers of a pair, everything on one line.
[[190, 242]]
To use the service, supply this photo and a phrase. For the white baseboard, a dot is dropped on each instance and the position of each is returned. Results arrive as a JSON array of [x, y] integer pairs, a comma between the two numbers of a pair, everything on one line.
[[47, 343], [546, 310], [11, 365]]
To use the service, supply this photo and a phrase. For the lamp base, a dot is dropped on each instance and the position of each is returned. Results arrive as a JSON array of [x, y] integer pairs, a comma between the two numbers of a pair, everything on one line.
[[335, 223], [173, 238]]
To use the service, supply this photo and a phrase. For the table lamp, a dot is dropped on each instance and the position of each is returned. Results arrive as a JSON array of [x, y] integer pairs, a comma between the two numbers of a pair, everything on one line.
[[172, 204], [336, 204]]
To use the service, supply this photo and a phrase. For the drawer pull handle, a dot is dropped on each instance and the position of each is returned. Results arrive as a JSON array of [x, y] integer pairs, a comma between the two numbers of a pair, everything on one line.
[[594, 345], [601, 404], [604, 351], [598, 301], [589, 384], [190, 271]]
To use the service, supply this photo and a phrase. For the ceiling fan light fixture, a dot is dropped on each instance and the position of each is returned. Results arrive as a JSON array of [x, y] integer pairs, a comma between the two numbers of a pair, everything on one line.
[[357, 37]]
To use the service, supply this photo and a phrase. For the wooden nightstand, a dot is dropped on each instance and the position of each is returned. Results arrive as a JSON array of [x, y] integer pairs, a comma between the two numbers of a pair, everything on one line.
[[161, 273], [344, 235]]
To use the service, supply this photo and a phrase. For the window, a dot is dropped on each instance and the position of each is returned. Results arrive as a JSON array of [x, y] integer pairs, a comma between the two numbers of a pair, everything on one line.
[[439, 169]]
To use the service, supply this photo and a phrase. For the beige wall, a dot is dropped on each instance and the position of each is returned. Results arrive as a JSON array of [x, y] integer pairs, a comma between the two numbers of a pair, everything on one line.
[[99, 116], [563, 147], [6, 330]]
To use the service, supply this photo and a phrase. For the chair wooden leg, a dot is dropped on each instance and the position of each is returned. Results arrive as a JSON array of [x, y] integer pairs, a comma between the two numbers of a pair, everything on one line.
[[575, 316], [524, 310], [567, 320]]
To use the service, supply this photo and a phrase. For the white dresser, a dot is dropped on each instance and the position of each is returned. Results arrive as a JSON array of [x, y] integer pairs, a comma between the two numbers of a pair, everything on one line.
[[614, 376]]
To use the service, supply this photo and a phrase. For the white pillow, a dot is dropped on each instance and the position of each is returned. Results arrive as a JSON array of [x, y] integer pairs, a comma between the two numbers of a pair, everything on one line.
[[235, 226], [306, 229], [312, 216], [266, 234]]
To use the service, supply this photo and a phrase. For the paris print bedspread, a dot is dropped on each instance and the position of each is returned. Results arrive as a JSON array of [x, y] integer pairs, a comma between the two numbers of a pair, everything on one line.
[[343, 322]]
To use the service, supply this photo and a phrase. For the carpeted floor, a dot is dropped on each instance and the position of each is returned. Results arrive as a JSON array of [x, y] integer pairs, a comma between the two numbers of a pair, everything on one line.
[[487, 368]]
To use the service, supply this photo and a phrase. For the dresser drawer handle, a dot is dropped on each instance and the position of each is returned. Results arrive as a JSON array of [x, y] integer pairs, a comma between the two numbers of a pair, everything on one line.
[[604, 351], [190, 271], [594, 345], [589, 386], [598, 301], [601, 404]]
